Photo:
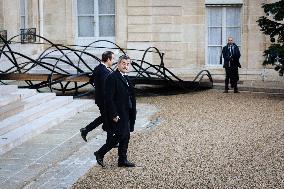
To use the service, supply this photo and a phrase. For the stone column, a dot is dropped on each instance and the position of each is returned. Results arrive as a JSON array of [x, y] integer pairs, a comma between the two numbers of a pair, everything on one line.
[[121, 22], [1, 15], [55, 20], [11, 17]]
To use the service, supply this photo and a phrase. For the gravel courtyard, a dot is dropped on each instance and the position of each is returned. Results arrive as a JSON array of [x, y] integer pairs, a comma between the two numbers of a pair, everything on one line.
[[205, 139]]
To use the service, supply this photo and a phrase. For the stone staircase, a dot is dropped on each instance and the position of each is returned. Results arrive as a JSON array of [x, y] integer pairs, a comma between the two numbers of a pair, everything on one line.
[[24, 113], [47, 151]]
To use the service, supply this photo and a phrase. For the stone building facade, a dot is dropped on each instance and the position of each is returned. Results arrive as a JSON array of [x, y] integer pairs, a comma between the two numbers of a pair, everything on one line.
[[189, 32]]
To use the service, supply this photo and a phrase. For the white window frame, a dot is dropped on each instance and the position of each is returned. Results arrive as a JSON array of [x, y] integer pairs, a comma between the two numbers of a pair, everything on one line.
[[224, 28], [25, 15], [85, 40], [98, 19], [223, 2]]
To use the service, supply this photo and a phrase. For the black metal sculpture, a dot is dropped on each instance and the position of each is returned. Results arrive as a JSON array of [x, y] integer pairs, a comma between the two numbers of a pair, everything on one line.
[[67, 68], [3, 35]]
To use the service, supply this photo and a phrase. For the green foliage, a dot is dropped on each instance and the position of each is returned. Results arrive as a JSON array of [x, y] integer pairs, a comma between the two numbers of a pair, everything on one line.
[[272, 24], [272, 52]]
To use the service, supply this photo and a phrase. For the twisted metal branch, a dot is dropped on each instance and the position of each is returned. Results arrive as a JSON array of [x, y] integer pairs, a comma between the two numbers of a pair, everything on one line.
[[57, 56]]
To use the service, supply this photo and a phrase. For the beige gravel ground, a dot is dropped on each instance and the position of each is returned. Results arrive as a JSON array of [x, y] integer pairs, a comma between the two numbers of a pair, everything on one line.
[[206, 140]]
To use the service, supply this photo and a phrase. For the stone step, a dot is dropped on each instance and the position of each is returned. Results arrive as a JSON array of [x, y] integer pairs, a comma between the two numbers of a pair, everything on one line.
[[42, 152], [26, 116], [8, 99], [57, 157], [21, 134], [15, 96], [8, 89], [25, 104], [25, 93]]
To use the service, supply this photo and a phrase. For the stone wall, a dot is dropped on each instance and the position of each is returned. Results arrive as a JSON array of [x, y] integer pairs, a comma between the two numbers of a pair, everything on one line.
[[177, 28], [55, 21], [157, 23], [11, 17]]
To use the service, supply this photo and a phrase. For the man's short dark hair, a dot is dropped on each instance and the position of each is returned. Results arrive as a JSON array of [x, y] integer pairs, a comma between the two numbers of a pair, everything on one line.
[[123, 57], [107, 55]]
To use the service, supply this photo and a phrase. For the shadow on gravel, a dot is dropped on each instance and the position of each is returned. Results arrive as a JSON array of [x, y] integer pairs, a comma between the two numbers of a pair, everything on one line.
[[142, 91], [162, 91]]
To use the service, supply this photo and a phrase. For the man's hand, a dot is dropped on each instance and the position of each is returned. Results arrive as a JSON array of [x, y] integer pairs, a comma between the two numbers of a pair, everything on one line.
[[115, 119]]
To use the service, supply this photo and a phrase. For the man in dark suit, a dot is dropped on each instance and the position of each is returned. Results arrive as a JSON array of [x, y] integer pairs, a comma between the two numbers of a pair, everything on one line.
[[231, 55], [98, 78], [120, 106]]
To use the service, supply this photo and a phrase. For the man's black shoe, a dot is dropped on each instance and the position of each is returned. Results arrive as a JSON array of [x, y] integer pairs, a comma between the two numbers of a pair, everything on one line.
[[100, 160], [116, 146], [126, 164], [226, 91], [236, 90], [84, 134]]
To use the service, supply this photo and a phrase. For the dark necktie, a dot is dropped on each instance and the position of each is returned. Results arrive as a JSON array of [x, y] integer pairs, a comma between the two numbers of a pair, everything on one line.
[[231, 52], [129, 95], [126, 79]]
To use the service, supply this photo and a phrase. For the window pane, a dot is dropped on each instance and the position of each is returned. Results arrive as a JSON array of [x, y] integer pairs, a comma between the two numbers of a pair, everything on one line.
[[22, 7], [214, 36], [233, 16], [22, 22], [235, 33], [23, 14], [214, 16], [85, 6], [86, 26], [106, 25], [106, 7], [214, 55]]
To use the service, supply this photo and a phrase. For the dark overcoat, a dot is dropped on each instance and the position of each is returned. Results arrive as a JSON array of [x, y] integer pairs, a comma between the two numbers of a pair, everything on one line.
[[234, 59], [117, 96], [98, 78]]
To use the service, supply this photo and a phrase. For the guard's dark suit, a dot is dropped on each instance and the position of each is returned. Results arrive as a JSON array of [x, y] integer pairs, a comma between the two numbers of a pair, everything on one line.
[[99, 76], [231, 55], [119, 101]]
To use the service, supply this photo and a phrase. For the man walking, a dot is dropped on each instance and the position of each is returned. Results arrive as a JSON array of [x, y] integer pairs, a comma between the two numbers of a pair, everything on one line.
[[120, 106], [231, 55], [99, 76]]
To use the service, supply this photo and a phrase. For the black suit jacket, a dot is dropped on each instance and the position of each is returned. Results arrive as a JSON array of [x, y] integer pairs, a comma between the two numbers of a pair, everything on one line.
[[234, 59], [117, 95], [98, 77]]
